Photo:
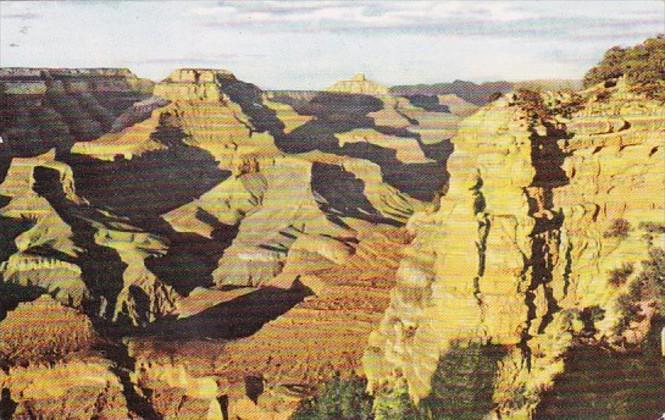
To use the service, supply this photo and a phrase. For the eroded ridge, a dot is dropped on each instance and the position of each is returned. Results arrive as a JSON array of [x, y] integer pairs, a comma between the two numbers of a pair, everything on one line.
[[540, 211]]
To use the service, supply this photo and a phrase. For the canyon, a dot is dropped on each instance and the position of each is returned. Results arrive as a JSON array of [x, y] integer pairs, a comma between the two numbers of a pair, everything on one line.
[[202, 248]]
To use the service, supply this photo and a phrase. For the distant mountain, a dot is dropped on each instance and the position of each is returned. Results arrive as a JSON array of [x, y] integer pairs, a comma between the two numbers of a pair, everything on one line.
[[479, 94], [358, 84]]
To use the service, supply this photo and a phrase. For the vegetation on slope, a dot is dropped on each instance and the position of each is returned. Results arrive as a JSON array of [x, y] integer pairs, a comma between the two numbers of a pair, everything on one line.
[[602, 385], [462, 388], [648, 288], [463, 383], [642, 65], [339, 398]]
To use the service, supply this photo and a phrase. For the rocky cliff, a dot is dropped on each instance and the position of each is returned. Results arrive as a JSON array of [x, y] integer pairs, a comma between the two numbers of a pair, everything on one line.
[[549, 196], [52, 368], [360, 85], [45, 108], [60, 250], [203, 210], [205, 249], [253, 151]]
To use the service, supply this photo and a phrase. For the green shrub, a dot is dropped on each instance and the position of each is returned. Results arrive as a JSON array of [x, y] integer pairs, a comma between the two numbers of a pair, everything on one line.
[[630, 312], [610, 67], [532, 103], [395, 403], [339, 398], [642, 65], [651, 230], [619, 276], [589, 316], [619, 229], [652, 227], [463, 383], [568, 106], [649, 286], [652, 278]]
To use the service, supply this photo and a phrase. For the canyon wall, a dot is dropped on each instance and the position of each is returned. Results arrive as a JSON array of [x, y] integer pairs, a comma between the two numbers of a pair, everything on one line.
[[44, 108], [200, 211], [550, 194]]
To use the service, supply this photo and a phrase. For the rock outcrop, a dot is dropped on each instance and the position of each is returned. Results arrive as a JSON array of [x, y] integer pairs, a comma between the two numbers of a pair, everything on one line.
[[457, 105], [44, 108], [264, 375], [81, 386], [44, 331], [259, 138], [51, 369], [358, 84], [59, 252], [206, 249], [522, 247]]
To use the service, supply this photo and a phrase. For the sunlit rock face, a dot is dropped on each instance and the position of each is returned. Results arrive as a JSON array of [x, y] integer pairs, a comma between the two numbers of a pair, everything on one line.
[[267, 148], [67, 243], [526, 238], [359, 84], [181, 233], [44, 330], [51, 367]]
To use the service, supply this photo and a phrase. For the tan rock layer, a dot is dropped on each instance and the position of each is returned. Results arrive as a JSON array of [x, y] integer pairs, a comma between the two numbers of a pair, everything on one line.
[[519, 246], [292, 354]]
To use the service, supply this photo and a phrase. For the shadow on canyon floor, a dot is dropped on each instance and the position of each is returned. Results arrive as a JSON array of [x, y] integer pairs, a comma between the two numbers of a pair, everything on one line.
[[191, 258], [344, 193], [101, 267], [145, 187], [240, 317]]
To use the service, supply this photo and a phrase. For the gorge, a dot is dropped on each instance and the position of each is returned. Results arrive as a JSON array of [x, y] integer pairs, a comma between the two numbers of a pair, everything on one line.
[[202, 248]]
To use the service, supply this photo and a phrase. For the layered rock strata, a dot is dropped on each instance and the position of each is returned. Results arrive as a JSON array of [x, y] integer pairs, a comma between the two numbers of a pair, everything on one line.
[[525, 240]]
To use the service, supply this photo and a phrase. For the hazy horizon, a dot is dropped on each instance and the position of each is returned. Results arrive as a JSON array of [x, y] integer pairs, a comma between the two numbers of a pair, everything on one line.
[[310, 45]]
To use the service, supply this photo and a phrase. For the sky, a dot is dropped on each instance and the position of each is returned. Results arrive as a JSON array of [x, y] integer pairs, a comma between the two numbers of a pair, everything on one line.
[[311, 44]]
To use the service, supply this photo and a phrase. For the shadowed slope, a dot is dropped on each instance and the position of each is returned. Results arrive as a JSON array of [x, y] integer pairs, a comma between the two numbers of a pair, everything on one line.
[[45, 108], [337, 113], [101, 267], [239, 317], [191, 258], [344, 193], [152, 184]]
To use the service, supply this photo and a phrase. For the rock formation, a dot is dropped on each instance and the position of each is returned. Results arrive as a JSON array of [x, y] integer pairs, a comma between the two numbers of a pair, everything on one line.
[[51, 367], [286, 193], [249, 134], [47, 108], [524, 241], [57, 253], [457, 105], [330, 328], [358, 84], [82, 386], [201, 248], [480, 93], [43, 331]]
